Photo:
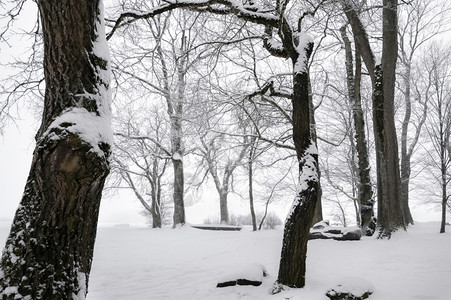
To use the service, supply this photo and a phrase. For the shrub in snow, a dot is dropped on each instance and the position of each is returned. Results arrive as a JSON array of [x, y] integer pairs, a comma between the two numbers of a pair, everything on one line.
[[272, 221]]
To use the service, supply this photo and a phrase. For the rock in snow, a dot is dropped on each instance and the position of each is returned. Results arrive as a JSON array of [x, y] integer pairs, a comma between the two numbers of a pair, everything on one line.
[[248, 275], [322, 230], [351, 288]]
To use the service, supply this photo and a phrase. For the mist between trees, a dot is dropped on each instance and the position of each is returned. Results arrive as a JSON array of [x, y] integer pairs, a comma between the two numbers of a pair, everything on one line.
[[342, 105]]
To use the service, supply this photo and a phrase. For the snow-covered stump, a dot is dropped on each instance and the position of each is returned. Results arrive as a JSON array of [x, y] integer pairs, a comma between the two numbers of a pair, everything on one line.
[[248, 275], [48, 253], [351, 288]]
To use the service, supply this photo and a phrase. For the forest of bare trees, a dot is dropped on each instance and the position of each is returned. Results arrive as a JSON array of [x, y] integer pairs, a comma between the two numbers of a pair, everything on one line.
[[343, 106]]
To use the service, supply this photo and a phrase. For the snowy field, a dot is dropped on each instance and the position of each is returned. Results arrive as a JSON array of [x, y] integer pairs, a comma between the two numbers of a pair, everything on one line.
[[186, 264]]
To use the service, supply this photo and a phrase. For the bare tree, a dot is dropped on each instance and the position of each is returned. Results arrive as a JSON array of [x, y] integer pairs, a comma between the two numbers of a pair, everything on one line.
[[437, 68], [419, 23], [48, 253], [141, 158], [221, 156]]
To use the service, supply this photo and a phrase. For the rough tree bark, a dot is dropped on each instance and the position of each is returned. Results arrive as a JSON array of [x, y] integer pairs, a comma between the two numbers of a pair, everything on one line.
[[365, 192], [391, 214], [390, 209], [49, 251], [292, 265], [318, 216]]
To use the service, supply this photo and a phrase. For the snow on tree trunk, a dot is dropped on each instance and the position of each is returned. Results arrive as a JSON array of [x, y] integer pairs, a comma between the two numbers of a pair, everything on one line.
[[318, 217], [297, 226], [49, 250]]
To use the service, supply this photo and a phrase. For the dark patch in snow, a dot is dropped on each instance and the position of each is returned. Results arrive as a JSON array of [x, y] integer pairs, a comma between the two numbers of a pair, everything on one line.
[[218, 227]]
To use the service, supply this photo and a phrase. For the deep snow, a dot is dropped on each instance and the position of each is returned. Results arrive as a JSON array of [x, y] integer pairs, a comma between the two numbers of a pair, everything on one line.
[[142, 263]]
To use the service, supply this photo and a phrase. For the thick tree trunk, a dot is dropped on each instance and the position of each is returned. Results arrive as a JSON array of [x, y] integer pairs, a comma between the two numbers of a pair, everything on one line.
[[390, 216], [49, 251], [390, 207], [297, 226]]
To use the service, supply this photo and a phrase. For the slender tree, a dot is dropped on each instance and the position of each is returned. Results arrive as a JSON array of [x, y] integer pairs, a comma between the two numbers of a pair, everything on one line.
[[438, 70], [353, 78], [419, 23], [222, 160], [140, 159], [49, 251]]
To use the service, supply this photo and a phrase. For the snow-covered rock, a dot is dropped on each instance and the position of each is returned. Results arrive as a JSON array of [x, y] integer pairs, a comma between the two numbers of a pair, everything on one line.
[[351, 288], [247, 275], [322, 230]]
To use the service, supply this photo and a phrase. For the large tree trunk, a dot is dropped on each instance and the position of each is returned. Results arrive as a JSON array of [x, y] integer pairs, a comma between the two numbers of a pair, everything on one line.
[[390, 207], [297, 226], [49, 251]]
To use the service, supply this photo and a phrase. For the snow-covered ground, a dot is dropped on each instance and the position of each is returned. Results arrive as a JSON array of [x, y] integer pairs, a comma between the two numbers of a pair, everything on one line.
[[186, 264]]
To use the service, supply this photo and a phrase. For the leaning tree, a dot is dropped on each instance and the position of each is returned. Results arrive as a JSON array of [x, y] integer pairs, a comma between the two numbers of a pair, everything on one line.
[[49, 250], [286, 40]]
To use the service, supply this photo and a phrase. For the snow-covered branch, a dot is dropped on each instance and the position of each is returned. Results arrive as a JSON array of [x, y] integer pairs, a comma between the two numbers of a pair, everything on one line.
[[212, 6]]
